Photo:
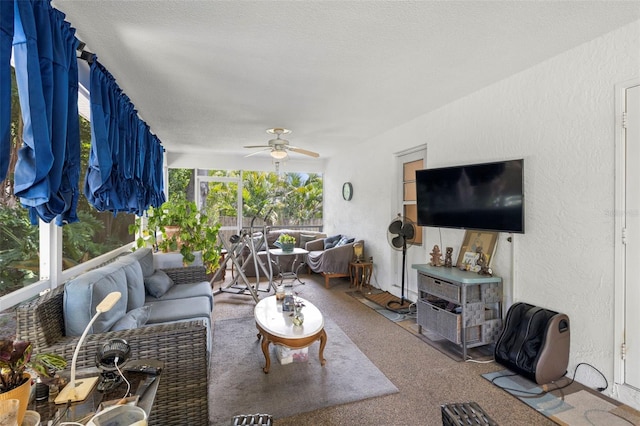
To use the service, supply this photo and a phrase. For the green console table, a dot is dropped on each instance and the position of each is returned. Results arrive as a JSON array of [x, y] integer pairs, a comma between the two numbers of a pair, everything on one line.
[[461, 306]]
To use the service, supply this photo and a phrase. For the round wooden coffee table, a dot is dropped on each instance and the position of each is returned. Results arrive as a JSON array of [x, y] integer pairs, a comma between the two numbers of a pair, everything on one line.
[[275, 326]]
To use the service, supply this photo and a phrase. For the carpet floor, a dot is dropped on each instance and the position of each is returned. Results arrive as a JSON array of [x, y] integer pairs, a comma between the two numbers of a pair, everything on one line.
[[425, 377], [241, 388]]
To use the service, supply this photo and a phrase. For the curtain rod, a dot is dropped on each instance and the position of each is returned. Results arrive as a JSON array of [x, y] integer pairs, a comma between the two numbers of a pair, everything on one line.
[[85, 55]]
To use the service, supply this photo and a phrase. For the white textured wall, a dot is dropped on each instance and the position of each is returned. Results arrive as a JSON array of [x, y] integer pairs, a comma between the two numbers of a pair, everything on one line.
[[559, 117]]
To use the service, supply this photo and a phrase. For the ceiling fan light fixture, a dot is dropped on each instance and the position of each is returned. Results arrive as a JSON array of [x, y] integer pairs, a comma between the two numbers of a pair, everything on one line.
[[279, 154]]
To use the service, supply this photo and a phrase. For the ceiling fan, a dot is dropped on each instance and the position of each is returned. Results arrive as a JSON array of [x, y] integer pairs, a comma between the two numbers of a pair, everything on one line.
[[279, 147]]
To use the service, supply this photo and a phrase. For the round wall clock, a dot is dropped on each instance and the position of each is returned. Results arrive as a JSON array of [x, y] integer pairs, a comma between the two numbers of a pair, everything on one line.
[[347, 191]]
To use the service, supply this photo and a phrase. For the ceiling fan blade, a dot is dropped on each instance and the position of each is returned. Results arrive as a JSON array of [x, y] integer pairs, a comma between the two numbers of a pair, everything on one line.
[[257, 146], [303, 151], [397, 242], [395, 227], [259, 151]]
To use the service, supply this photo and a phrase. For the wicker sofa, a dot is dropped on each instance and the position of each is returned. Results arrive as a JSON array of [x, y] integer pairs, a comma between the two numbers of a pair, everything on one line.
[[181, 343]]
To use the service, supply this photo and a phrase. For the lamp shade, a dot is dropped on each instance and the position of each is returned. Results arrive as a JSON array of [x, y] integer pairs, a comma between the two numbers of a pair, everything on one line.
[[279, 154], [358, 251]]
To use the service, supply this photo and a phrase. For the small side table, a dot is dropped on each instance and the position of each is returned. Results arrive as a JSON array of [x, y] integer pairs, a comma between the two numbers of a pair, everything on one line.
[[294, 270], [360, 274]]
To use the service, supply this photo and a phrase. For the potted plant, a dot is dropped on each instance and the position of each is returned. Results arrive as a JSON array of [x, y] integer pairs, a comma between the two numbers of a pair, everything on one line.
[[15, 381], [191, 232], [286, 242]]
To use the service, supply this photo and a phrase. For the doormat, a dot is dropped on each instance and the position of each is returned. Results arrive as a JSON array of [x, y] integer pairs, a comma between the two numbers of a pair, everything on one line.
[[378, 301], [391, 302], [572, 405]]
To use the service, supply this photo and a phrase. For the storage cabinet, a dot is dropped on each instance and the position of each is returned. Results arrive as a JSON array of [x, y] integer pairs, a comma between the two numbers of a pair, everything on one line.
[[463, 307]]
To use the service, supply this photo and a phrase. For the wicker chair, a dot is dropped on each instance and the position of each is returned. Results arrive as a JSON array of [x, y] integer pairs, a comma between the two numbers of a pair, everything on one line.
[[182, 346]]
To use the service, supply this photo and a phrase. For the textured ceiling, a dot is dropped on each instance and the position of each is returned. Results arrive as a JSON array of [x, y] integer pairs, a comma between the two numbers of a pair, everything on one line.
[[214, 75]]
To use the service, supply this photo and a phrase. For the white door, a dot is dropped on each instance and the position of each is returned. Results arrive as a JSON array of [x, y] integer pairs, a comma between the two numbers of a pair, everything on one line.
[[631, 362]]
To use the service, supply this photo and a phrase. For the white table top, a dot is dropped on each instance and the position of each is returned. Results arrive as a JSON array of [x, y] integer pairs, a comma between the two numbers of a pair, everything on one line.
[[279, 252], [269, 316]]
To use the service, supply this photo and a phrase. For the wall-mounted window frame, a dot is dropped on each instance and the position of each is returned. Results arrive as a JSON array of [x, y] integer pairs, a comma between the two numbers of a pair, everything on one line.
[[408, 162]]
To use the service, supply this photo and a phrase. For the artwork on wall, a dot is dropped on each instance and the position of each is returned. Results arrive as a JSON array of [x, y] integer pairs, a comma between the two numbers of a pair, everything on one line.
[[474, 240]]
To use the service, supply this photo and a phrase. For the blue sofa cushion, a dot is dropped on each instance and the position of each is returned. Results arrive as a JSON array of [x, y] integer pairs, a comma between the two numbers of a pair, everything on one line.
[[330, 242], [135, 281], [83, 294], [174, 260], [181, 291], [178, 309], [158, 283], [133, 319], [344, 240], [145, 257]]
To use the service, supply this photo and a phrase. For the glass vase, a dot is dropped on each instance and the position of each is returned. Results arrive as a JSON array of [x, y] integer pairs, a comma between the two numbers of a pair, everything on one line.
[[298, 316]]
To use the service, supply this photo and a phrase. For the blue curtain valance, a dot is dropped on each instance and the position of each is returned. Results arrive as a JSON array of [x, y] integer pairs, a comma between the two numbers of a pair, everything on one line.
[[126, 161], [44, 47], [123, 149]]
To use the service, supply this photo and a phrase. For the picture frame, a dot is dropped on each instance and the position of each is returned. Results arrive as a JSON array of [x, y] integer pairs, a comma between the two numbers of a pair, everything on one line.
[[473, 239]]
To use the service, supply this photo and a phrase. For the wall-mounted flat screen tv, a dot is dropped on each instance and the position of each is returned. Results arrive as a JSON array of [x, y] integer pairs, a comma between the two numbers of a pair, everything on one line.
[[488, 196]]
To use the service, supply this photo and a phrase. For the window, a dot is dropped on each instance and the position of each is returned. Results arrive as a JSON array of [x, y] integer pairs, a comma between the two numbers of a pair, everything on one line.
[[97, 232], [242, 199], [19, 261], [409, 206], [408, 162]]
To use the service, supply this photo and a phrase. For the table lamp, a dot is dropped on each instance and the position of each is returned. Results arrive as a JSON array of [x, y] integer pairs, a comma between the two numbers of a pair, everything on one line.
[[358, 251], [78, 391]]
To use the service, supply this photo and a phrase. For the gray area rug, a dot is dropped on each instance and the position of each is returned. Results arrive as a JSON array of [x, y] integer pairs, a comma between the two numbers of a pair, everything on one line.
[[239, 387]]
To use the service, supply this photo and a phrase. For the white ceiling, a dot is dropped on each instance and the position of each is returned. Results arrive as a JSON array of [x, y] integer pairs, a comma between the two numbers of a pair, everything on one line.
[[214, 75]]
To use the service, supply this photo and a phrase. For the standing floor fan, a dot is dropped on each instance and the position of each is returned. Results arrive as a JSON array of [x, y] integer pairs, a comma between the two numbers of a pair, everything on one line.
[[401, 234]]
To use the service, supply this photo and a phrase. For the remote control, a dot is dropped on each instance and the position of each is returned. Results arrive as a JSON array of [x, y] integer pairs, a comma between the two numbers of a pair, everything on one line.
[[144, 385], [144, 368]]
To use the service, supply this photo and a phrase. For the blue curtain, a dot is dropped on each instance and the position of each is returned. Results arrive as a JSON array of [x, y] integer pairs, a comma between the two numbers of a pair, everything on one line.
[[47, 170], [6, 40], [125, 163], [125, 157]]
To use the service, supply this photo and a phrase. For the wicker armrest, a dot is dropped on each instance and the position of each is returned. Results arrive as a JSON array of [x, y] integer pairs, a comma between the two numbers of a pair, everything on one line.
[[187, 274], [41, 321], [182, 346]]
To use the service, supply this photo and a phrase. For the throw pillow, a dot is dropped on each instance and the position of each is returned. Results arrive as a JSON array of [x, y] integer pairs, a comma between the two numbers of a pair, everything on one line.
[[330, 242], [145, 257], [305, 238], [83, 294], [133, 319], [158, 283], [345, 240]]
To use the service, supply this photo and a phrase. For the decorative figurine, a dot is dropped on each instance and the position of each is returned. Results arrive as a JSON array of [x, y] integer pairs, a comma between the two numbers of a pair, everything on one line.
[[482, 263], [436, 256], [448, 261]]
